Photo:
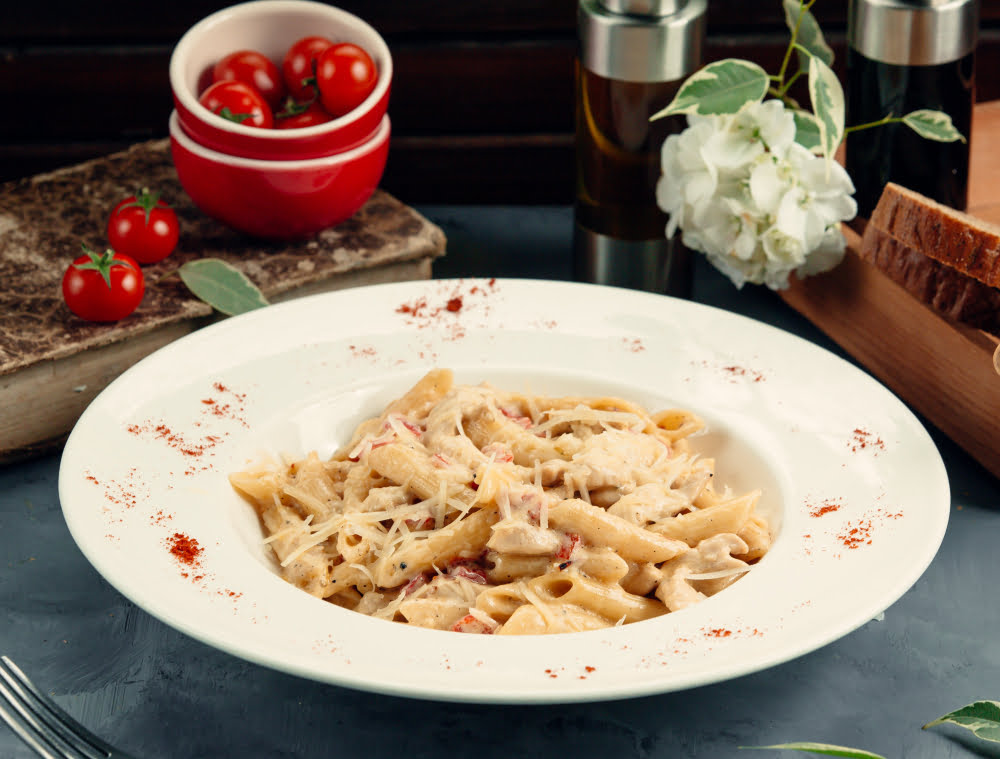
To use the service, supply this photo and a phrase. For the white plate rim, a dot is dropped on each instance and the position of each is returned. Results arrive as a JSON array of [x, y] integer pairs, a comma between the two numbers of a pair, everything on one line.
[[460, 680]]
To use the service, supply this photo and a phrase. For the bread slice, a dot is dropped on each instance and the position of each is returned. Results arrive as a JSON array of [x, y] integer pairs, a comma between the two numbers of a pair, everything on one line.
[[943, 288], [954, 238]]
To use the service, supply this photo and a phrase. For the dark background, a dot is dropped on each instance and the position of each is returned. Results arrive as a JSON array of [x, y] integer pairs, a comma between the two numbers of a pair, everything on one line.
[[482, 102]]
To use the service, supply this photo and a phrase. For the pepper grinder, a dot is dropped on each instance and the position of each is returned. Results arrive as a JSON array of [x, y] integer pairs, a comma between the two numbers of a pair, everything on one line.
[[904, 55], [633, 57]]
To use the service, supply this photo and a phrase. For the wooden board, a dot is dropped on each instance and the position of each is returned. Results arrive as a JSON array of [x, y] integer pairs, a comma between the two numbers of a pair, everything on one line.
[[947, 372], [52, 364]]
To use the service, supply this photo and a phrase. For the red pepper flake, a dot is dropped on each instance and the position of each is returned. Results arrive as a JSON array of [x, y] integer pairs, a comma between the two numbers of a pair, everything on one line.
[[742, 371], [862, 439], [176, 440], [186, 550], [123, 492], [634, 344], [188, 448], [362, 351], [413, 309], [719, 632], [160, 517], [824, 507], [859, 532], [856, 534], [588, 668], [734, 371], [232, 407], [443, 308]]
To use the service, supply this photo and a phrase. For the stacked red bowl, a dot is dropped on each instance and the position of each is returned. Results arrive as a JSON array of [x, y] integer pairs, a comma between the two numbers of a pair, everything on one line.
[[277, 182]]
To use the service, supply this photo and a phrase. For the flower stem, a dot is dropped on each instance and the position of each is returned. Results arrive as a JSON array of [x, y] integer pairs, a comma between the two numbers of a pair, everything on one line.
[[890, 119], [784, 98], [803, 7], [788, 85]]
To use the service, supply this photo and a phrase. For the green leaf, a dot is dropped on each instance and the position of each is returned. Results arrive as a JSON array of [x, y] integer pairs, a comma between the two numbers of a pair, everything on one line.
[[933, 125], [222, 286], [824, 749], [828, 104], [807, 132], [981, 717], [810, 36], [720, 87]]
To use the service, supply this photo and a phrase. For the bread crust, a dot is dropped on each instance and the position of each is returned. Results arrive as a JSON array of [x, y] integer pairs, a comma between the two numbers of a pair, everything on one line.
[[944, 288], [956, 239]]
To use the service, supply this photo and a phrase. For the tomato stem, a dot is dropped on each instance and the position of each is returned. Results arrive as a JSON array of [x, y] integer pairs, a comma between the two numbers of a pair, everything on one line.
[[145, 200], [293, 108], [239, 118], [102, 263]]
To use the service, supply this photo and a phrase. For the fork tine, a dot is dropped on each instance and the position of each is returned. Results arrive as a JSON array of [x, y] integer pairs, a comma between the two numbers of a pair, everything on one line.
[[62, 733], [15, 719]]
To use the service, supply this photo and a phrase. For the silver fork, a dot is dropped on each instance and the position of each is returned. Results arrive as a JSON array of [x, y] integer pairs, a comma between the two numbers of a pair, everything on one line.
[[36, 719]]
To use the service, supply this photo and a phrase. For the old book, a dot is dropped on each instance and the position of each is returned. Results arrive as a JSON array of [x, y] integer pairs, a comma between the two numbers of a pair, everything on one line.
[[52, 364]]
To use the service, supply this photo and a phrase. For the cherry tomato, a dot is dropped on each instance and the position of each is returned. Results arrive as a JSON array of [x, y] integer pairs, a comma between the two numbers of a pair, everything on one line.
[[299, 115], [255, 69], [239, 102], [298, 67], [345, 75], [103, 287], [144, 227]]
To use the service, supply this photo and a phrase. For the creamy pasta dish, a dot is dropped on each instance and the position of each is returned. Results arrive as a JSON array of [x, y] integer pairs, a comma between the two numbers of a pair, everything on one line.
[[470, 509]]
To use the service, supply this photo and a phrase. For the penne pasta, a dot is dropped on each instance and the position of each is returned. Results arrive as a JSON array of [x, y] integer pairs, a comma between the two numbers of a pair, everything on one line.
[[469, 509]]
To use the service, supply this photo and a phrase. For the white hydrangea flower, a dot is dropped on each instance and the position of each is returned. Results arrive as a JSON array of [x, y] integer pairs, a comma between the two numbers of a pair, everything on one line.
[[758, 204]]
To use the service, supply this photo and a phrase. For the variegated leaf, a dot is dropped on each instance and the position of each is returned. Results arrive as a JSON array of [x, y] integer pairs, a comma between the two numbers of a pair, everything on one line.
[[981, 717], [824, 749], [933, 125], [807, 130], [721, 87], [810, 35], [828, 104]]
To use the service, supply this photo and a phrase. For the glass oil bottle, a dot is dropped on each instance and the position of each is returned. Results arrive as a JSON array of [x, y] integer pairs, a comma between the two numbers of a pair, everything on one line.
[[633, 57]]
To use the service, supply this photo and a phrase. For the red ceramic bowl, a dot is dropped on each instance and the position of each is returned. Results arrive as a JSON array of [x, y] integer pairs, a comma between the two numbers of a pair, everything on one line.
[[279, 199], [271, 27]]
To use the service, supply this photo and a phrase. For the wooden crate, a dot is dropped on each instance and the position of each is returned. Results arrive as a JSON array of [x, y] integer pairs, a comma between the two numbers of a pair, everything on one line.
[[946, 371]]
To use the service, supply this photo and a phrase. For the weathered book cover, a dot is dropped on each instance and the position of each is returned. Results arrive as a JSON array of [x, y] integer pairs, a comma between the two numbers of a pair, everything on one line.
[[52, 364]]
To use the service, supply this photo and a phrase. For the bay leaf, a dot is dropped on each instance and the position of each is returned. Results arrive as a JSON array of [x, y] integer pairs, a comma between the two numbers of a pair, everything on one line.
[[222, 286]]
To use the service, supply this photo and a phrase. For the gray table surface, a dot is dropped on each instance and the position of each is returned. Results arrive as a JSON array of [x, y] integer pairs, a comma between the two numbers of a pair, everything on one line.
[[157, 693]]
